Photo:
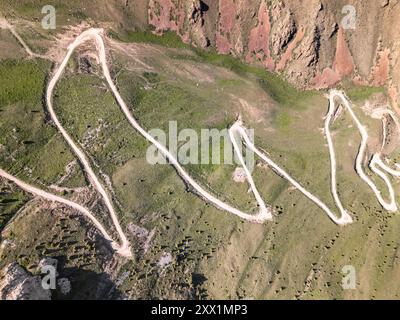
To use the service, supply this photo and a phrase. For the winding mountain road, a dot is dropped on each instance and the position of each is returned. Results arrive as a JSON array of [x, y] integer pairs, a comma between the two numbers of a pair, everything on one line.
[[52, 197], [264, 213], [344, 219], [389, 206]]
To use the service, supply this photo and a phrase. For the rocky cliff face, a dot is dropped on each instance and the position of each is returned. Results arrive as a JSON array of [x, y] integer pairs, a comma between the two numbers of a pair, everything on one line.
[[313, 43], [17, 284]]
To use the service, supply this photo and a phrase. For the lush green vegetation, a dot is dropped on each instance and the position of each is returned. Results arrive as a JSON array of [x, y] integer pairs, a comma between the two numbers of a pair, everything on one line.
[[357, 94], [30, 145], [68, 12], [204, 242], [168, 39], [10, 202], [279, 89], [21, 81], [283, 120]]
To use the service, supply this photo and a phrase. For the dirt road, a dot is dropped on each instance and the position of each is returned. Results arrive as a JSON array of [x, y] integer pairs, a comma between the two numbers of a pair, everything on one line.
[[389, 206], [51, 197], [264, 213]]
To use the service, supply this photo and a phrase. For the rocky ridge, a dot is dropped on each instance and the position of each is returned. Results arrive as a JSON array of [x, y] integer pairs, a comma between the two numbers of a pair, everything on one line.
[[309, 43]]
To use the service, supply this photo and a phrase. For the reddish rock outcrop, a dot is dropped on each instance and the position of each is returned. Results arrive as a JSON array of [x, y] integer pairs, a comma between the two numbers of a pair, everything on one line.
[[380, 72], [222, 43], [343, 65], [284, 28], [319, 54], [259, 39], [328, 78], [358, 81], [161, 14], [227, 13], [286, 56], [394, 94], [166, 15]]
